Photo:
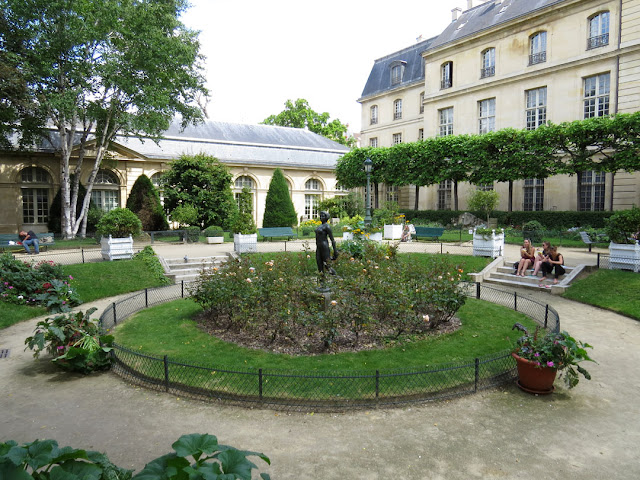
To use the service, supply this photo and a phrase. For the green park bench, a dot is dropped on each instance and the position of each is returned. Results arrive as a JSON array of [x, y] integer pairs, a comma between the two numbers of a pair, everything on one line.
[[429, 232], [44, 240], [272, 232]]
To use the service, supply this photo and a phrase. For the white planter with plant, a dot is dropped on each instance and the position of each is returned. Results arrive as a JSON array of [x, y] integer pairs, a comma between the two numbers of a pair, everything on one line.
[[488, 243], [245, 243], [214, 234], [347, 236], [623, 229], [376, 237], [245, 237], [117, 228], [393, 232]]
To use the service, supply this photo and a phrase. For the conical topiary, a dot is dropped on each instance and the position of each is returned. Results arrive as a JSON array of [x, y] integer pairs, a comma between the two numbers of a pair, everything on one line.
[[278, 210], [144, 201]]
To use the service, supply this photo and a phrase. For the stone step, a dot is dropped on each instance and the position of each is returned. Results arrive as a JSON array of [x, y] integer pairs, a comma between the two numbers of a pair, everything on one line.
[[508, 269], [518, 283], [195, 260]]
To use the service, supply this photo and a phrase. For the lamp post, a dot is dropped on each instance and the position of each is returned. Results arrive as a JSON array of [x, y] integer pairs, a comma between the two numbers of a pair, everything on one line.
[[368, 166]]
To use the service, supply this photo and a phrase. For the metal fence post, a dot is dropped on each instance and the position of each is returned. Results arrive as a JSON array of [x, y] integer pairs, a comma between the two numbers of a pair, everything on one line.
[[166, 373], [146, 297], [377, 384], [478, 290], [546, 315], [115, 318], [260, 383], [515, 301], [152, 235], [285, 245], [182, 289], [477, 375], [82, 250], [598, 262]]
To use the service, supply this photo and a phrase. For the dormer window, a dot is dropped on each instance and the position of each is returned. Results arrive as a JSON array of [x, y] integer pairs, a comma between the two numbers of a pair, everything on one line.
[[446, 77], [538, 48], [397, 72], [598, 30]]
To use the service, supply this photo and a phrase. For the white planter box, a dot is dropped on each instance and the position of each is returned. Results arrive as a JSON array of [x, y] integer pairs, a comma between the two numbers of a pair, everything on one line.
[[376, 237], [347, 236], [624, 256], [491, 246], [245, 243], [215, 239], [393, 232], [116, 248]]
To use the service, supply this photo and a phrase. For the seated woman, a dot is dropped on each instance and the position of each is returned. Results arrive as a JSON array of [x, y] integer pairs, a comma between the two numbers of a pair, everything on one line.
[[542, 257], [556, 262], [527, 256]]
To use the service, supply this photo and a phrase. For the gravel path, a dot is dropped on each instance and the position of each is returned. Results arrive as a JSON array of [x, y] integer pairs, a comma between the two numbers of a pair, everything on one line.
[[590, 432]]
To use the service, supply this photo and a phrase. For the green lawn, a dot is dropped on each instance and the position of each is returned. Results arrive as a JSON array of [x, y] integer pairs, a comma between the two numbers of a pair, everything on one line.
[[169, 329], [91, 281], [615, 290]]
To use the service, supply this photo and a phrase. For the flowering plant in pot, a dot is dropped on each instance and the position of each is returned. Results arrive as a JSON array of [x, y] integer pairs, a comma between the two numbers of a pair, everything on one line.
[[542, 354]]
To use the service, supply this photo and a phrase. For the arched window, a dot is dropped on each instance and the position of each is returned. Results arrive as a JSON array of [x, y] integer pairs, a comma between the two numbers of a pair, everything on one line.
[[35, 189], [397, 109], [488, 63], [397, 72], [446, 75], [158, 182], [312, 198], [598, 30], [106, 190], [242, 182], [538, 48], [374, 114]]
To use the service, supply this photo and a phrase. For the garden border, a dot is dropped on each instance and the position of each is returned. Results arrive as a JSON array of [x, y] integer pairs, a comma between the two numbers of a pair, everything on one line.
[[265, 388]]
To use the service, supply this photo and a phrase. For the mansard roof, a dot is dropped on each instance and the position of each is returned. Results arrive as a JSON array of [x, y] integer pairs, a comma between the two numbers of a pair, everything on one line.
[[380, 76], [488, 15]]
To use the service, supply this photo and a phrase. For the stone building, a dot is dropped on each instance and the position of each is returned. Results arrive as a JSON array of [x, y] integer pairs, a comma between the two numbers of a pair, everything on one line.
[[29, 180], [512, 63]]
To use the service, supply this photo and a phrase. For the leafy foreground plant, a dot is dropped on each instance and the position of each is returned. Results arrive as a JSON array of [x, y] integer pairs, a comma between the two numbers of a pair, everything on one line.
[[555, 350], [44, 460], [74, 340]]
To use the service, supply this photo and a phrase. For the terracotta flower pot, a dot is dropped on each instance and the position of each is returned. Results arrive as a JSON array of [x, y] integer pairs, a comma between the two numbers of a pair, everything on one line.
[[534, 379]]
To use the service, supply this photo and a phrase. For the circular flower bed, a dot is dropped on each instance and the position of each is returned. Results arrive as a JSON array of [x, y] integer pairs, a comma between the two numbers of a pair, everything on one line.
[[275, 303]]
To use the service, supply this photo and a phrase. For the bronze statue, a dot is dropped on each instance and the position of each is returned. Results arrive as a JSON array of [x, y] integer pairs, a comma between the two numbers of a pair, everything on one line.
[[323, 253]]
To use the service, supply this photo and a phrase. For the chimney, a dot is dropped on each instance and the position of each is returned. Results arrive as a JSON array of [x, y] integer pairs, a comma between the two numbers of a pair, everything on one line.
[[455, 14], [471, 4]]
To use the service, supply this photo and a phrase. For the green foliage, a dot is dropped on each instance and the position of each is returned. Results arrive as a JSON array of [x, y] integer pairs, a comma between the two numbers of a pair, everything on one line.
[[43, 283], [196, 456], [342, 206], [484, 201], [144, 201], [373, 296], [150, 259], [75, 341], [300, 115], [205, 183], [44, 460], [129, 67], [389, 214], [119, 223], [533, 230], [243, 222], [193, 234], [278, 210], [213, 231], [185, 214], [54, 224], [624, 226], [555, 350]]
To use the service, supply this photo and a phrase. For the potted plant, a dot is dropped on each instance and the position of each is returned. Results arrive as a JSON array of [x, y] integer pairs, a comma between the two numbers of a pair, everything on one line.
[[623, 229], [118, 227], [245, 238], [540, 355], [488, 242], [484, 201], [214, 234]]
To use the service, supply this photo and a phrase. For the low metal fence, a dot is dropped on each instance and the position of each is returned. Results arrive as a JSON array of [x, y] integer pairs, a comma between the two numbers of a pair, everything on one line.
[[299, 390]]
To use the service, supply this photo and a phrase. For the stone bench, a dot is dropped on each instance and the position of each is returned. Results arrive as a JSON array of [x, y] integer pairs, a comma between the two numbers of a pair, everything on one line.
[[44, 240], [272, 232], [430, 232]]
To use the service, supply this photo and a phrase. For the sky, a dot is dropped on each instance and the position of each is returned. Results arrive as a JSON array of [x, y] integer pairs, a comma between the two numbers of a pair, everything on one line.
[[259, 53]]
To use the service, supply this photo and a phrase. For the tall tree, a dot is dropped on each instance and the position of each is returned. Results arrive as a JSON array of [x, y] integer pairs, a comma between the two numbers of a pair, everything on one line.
[[205, 183], [279, 210], [144, 201], [93, 70], [300, 115]]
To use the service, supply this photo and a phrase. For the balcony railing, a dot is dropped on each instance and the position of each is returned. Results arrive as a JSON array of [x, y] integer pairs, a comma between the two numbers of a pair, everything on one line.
[[487, 72], [598, 41], [446, 83], [537, 58]]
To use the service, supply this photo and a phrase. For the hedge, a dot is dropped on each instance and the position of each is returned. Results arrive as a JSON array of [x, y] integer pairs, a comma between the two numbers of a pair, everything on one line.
[[552, 220]]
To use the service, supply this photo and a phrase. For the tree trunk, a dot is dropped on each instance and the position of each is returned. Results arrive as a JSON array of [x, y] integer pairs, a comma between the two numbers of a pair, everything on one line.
[[417, 203], [455, 195], [511, 195], [375, 196]]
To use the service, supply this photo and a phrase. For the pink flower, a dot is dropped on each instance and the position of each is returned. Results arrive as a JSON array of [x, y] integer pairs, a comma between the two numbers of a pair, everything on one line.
[[70, 277], [549, 364], [536, 354]]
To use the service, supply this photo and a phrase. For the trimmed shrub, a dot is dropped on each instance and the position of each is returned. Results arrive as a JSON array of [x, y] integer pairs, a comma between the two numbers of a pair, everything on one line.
[[278, 209], [119, 223], [144, 201]]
